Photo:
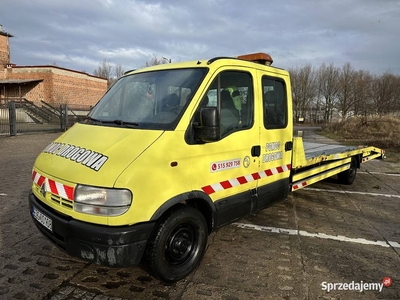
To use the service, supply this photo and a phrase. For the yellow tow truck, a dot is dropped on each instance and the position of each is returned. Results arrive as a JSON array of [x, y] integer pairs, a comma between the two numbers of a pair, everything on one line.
[[173, 152]]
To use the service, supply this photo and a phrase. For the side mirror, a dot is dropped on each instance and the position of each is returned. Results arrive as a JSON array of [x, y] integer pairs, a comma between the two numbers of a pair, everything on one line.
[[208, 130]]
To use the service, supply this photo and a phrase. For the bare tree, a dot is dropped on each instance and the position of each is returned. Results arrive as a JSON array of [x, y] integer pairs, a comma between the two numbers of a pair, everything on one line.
[[303, 90], [118, 71], [154, 60], [104, 70], [397, 95], [346, 90], [349, 91], [108, 71], [362, 93], [328, 85], [384, 95]]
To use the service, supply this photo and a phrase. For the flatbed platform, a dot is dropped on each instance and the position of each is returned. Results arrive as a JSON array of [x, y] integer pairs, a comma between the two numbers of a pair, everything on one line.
[[313, 150], [313, 162]]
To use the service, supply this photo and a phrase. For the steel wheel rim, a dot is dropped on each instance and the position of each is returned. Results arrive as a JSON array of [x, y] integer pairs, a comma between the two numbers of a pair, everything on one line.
[[181, 244]]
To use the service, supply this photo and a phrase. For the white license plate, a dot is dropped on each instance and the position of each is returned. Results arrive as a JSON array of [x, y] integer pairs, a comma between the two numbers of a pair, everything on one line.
[[42, 218]]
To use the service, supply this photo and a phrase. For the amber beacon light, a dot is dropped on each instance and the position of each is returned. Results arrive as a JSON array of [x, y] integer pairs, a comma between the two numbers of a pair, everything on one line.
[[261, 58]]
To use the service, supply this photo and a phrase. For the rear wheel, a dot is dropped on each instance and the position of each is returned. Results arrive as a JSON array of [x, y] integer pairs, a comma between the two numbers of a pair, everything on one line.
[[348, 176], [177, 244]]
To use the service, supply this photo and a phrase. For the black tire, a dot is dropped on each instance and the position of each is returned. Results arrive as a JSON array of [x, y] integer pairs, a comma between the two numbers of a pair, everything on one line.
[[177, 244], [347, 177]]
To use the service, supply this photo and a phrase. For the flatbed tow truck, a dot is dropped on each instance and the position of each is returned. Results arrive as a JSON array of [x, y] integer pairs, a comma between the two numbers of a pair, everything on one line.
[[173, 152]]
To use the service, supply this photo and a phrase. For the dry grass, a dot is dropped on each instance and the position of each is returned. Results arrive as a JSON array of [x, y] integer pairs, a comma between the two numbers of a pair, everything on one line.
[[382, 132]]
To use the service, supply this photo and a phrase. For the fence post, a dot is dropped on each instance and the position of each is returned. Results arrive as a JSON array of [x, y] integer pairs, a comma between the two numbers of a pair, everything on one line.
[[12, 117], [64, 117], [61, 118]]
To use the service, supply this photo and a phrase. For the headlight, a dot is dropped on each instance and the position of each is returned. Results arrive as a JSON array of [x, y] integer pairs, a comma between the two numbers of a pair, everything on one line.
[[102, 201]]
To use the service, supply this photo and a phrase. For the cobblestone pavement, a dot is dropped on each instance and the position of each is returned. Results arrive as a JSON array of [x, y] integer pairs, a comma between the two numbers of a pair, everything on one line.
[[326, 233]]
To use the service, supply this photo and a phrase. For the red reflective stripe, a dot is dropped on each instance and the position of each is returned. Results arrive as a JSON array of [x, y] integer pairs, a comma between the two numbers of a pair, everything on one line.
[[69, 191], [62, 190], [41, 180], [269, 172], [53, 187], [37, 178], [242, 180], [226, 184], [297, 186], [208, 190]]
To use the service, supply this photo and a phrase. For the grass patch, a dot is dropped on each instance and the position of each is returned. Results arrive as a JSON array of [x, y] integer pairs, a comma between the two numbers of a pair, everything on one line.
[[381, 132]]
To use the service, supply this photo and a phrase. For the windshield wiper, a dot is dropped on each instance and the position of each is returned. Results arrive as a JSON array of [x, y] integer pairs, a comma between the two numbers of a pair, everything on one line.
[[125, 124], [92, 119], [118, 122]]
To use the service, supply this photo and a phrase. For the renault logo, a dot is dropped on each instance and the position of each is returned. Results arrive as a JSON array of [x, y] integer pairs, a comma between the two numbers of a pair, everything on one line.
[[43, 189]]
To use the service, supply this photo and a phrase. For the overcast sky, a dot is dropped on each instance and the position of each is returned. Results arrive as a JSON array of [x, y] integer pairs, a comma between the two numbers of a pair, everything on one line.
[[80, 34]]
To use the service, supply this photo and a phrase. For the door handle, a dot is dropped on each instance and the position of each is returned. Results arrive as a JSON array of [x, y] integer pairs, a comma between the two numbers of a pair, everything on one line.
[[256, 151], [288, 146]]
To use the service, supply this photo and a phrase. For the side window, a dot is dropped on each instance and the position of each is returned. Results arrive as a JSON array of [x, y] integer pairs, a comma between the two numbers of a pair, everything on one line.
[[274, 103], [232, 93]]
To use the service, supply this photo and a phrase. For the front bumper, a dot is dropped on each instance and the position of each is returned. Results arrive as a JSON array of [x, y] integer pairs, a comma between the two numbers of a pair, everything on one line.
[[120, 246]]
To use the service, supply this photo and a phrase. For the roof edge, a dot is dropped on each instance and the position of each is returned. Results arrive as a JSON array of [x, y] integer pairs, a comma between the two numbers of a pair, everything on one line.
[[57, 67], [6, 34]]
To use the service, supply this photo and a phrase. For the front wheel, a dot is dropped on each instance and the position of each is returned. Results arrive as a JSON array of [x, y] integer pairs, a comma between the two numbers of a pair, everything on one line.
[[177, 244], [348, 176]]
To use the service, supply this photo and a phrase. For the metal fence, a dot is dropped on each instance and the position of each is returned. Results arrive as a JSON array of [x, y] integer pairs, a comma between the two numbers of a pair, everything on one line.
[[18, 115]]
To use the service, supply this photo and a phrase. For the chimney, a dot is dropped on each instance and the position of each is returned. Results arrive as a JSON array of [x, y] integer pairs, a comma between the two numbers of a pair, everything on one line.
[[4, 47]]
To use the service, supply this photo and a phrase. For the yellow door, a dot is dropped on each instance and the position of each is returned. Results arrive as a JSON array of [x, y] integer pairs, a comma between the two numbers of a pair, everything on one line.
[[225, 169], [275, 138]]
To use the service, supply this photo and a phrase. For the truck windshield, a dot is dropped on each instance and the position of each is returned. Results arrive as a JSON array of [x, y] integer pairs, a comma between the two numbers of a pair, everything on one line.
[[149, 100]]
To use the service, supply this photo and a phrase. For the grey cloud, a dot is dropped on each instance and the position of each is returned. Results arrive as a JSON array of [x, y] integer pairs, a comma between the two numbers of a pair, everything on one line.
[[80, 34]]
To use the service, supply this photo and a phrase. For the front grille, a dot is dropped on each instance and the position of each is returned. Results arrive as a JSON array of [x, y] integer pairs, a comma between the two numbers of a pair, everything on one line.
[[62, 201], [66, 203]]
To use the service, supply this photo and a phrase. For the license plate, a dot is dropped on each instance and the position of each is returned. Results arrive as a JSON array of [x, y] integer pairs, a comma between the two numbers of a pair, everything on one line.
[[42, 218]]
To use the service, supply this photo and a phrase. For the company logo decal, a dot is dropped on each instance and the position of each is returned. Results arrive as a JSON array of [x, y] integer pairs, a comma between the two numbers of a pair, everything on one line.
[[85, 157], [246, 161]]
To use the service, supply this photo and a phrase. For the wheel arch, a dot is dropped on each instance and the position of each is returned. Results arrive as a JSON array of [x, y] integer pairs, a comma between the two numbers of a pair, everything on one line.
[[196, 199]]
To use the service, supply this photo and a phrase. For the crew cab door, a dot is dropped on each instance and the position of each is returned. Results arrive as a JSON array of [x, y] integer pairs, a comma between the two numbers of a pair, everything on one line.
[[227, 169], [276, 132]]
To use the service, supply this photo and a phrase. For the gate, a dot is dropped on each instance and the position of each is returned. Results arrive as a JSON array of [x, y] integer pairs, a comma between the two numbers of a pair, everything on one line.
[[19, 115]]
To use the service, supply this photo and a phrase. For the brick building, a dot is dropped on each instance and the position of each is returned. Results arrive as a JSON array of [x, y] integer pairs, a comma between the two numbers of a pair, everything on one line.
[[51, 84]]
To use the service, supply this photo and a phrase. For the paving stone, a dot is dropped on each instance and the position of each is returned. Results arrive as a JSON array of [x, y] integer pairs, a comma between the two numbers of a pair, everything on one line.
[[239, 263]]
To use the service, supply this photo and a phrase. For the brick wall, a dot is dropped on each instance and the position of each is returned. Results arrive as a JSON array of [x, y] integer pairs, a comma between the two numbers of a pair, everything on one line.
[[77, 88], [58, 85], [32, 91], [3, 71], [4, 49]]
